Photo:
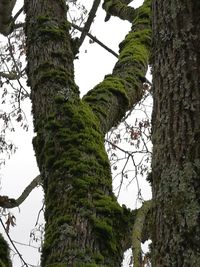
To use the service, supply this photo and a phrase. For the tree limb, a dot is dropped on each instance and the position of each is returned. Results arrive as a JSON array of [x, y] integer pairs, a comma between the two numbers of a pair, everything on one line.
[[120, 9], [9, 76], [95, 40], [9, 203], [118, 92], [89, 21], [137, 231], [6, 8]]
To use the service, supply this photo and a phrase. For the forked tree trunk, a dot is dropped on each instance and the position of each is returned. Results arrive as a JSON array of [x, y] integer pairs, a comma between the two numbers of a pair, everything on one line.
[[85, 226], [176, 133]]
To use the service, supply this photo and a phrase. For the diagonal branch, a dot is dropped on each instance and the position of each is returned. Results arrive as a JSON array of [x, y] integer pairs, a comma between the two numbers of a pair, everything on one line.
[[9, 203], [93, 38], [89, 21], [123, 88]]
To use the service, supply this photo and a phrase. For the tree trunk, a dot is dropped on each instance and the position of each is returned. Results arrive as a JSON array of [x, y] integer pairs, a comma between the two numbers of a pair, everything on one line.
[[176, 133], [85, 226]]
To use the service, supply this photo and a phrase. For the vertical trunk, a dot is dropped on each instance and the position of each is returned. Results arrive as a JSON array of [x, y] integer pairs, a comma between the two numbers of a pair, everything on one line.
[[83, 219], [176, 133]]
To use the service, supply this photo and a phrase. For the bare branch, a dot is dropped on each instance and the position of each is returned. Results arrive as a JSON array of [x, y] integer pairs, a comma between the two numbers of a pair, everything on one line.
[[18, 13], [9, 203], [17, 251], [18, 25], [95, 40], [89, 21]]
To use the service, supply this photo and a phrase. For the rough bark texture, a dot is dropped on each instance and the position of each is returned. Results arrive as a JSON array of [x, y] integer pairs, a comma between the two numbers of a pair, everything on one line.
[[85, 226], [176, 133]]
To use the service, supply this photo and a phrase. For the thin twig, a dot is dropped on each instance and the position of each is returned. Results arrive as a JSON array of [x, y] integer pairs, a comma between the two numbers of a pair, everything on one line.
[[17, 251], [93, 38], [18, 13], [42, 209]]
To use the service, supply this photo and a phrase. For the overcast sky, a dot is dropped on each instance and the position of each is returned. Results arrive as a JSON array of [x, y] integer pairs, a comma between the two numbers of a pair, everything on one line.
[[93, 64]]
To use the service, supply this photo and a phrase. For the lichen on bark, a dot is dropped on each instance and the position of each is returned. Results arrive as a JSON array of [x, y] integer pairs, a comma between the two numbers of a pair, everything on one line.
[[176, 123]]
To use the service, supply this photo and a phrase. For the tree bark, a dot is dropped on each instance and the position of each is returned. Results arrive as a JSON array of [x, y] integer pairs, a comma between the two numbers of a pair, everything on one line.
[[85, 226], [176, 134]]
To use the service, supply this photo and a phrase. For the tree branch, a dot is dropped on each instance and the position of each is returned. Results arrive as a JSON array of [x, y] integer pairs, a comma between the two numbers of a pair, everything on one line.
[[9, 203], [18, 13], [137, 231], [95, 40], [9, 76], [120, 9], [89, 21], [6, 8], [123, 88]]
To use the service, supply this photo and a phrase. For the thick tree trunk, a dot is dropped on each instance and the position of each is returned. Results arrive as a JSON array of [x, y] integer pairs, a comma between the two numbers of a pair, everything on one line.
[[176, 133], [85, 226]]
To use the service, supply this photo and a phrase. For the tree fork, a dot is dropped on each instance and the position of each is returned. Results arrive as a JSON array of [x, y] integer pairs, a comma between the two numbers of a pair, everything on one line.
[[85, 226]]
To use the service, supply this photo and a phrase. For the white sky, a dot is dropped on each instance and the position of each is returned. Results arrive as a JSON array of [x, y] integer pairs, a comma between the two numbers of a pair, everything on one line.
[[19, 171]]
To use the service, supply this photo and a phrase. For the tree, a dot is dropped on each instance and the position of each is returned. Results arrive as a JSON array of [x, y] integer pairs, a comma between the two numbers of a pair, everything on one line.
[[85, 226], [175, 163]]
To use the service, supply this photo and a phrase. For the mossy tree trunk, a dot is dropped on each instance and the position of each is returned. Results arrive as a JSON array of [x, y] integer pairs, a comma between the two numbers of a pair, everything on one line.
[[85, 226], [176, 133]]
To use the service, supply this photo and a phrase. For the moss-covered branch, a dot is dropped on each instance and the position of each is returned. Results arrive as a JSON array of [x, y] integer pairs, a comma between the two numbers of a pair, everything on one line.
[[9, 76], [120, 9], [123, 88], [137, 232], [9, 203]]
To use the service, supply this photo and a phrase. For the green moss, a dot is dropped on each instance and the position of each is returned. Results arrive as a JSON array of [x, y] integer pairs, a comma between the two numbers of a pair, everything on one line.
[[53, 33], [50, 27], [102, 228], [78, 175], [107, 204], [42, 19], [135, 47], [54, 74], [103, 91], [99, 258]]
